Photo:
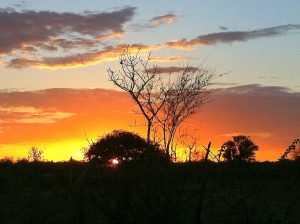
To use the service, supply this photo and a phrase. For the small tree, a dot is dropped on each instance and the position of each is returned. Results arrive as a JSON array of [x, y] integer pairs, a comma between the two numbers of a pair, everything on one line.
[[241, 148], [120, 146], [35, 155], [189, 139]]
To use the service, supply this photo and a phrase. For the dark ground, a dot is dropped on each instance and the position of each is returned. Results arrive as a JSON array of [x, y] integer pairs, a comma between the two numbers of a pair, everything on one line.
[[146, 193]]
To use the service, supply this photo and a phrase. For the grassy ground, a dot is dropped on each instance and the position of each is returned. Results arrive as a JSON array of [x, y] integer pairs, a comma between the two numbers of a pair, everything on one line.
[[147, 193]]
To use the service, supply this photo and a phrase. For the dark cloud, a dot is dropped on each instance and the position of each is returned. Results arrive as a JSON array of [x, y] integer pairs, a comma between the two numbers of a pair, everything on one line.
[[232, 36], [19, 29], [170, 59], [224, 28], [172, 69]]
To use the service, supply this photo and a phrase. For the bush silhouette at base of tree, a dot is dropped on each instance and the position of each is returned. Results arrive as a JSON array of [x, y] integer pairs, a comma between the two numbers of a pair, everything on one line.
[[123, 146]]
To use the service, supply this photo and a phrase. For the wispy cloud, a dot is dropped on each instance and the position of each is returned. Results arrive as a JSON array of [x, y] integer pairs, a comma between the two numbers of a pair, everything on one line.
[[170, 59], [31, 115], [172, 69], [224, 28], [156, 21], [231, 36], [164, 19], [78, 60]]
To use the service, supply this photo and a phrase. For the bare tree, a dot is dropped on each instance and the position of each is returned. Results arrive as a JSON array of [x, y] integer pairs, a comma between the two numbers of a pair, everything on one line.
[[186, 94], [143, 85], [190, 141], [165, 101]]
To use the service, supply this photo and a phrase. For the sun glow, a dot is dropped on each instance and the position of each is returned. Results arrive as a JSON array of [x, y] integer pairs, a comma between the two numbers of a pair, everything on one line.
[[115, 161]]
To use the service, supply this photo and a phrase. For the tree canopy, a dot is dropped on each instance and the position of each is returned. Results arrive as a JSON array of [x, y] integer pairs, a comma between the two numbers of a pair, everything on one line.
[[241, 148], [120, 146]]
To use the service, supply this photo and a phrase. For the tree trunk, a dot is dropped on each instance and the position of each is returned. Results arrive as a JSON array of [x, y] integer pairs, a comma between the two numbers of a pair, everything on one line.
[[149, 130]]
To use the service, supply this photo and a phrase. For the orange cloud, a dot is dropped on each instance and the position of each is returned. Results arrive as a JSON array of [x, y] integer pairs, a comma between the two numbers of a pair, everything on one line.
[[79, 60], [31, 115]]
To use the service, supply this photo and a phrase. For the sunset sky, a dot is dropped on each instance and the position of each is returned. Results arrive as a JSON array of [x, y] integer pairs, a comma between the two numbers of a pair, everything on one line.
[[54, 57]]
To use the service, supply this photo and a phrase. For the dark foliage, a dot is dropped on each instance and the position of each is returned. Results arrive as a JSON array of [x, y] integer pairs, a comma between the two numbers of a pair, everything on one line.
[[241, 148], [123, 146]]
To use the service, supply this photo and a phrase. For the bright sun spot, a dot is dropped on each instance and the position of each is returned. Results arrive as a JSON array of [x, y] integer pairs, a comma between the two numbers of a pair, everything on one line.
[[115, 161]]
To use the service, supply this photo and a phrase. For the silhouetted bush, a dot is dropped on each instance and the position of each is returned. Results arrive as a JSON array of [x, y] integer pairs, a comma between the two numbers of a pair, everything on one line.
[[35, 155], [123, 146], [241, 148]]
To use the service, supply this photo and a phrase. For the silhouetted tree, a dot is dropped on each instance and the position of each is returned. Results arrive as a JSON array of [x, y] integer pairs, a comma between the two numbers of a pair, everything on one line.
[[189, 139], [290, 149], [143, 85], [164, 101], [296, 153], [120, 146], [241, 148], [185, 95], [35, 155]]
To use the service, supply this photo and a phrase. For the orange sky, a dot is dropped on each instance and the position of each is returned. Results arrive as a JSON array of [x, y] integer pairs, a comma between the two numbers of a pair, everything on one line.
[[55, 120], [53, 44]]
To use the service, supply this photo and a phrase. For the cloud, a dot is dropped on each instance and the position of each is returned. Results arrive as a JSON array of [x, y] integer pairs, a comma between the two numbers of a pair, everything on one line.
[[172, 69], [20, 4], [52, 40], [35, 29], [78, 60], [164, 19], [58, 114], [31, 115], [170, 59], [270, 77], [224, 28], [231, 36], [255, 109]]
